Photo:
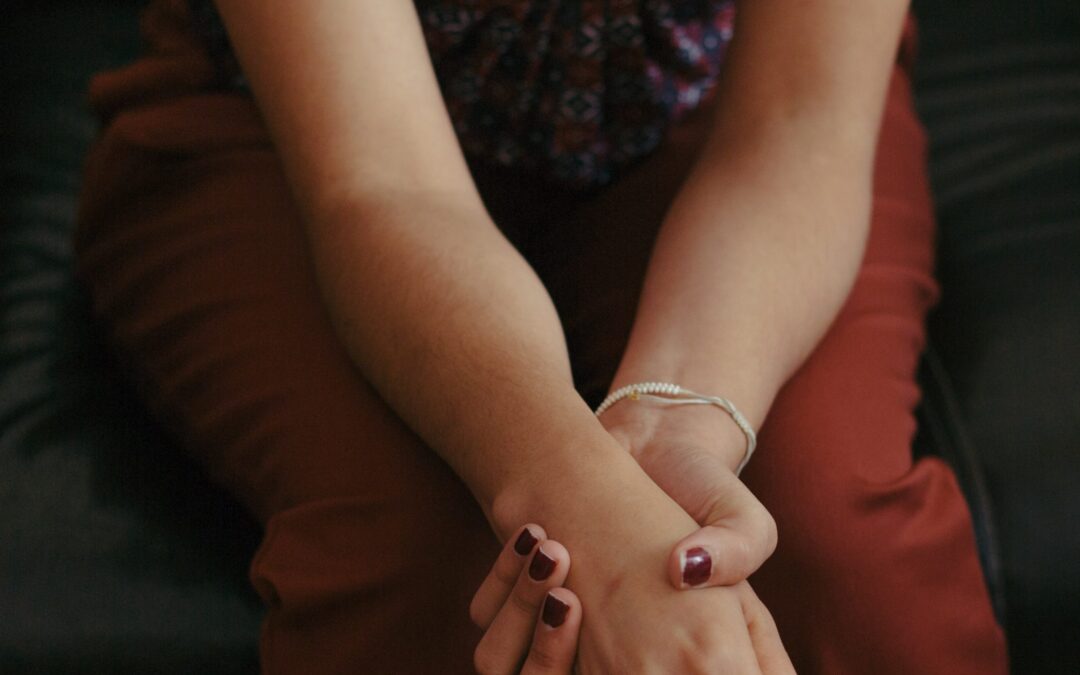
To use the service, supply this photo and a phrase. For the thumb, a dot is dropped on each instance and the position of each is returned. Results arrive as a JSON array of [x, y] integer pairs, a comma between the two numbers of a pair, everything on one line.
[[737, 535]]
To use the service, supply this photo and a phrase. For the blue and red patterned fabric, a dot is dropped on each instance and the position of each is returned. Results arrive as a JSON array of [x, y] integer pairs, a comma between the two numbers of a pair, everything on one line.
[[576, 89]]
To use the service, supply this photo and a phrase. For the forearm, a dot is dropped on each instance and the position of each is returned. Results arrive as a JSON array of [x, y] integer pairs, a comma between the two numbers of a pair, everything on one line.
[[454, 330], [435, 307], [761, 246], [746, 274]]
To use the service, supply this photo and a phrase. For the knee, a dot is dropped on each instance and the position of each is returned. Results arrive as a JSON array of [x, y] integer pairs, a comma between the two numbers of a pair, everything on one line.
[[321, 551], [354, 582]]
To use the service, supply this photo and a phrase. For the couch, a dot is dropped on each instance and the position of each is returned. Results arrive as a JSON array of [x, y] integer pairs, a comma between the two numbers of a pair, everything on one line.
[[117, 555]]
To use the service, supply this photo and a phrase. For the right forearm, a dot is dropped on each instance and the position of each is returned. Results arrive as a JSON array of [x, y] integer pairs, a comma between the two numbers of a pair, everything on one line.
[[452, 328], [440, 313]]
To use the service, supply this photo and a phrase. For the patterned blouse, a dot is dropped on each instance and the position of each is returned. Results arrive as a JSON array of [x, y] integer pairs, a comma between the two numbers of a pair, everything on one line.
[[577, 89]]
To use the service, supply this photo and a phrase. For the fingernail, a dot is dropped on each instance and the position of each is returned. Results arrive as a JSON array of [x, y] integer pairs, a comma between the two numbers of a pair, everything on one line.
[[525, 542], [555, 611], [696, 567], [541, 566]]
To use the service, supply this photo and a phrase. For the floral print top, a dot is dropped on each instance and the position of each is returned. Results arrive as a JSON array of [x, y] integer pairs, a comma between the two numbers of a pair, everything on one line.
[[576, 89]]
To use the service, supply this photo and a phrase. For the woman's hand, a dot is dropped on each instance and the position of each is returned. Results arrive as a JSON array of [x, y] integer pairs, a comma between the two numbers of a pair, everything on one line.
[[636, 623], [692, 452], [531, 623], [620, 527]]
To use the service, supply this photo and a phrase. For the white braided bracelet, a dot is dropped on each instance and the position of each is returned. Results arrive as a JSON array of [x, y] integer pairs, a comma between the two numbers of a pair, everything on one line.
[[673, 394]]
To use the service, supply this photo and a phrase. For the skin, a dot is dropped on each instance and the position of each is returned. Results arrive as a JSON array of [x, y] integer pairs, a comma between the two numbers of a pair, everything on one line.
[[509, 603], [758, 252], [520, 636], [752, 262]]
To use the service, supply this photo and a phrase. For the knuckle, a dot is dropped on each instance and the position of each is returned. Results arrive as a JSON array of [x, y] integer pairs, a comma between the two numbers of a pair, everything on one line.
[[771, 534], [764, 618], [710, 653], [484, 661], [763, 529], [505, 574], [544, 657], [742, 554], [718, 660], [720, 664], [522, 602], [475, 613], [710, 664]]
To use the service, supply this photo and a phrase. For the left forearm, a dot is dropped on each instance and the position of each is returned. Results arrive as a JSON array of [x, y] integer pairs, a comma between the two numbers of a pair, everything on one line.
[[753, 261], [760, 247]]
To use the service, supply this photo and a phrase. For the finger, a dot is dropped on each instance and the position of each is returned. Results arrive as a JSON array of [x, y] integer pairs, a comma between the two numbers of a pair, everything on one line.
[[506, 641], [495, 588], [734, 653], [771, 655], [737, 537], [556, 637]]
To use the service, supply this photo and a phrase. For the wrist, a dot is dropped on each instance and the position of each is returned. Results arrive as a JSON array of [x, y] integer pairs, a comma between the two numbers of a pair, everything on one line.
[[720, 366], [607, 511], [641, 422], [642, 425], [560, 481]]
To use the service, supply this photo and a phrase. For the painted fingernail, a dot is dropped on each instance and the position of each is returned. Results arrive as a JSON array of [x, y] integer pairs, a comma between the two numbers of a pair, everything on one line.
[[555, 611], [525, 542], [696, 567], [541, 566]]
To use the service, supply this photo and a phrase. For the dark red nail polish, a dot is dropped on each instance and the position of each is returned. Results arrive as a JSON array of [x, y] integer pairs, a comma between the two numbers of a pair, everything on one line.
[[525, 542], [555, 611], [697, 566], [541, 566]]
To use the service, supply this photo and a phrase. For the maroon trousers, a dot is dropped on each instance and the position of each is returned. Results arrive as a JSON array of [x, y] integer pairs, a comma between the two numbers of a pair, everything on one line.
[[195, 259]]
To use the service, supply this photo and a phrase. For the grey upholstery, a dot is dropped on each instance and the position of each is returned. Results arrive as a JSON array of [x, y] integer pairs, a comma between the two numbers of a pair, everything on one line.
[[999, 90]]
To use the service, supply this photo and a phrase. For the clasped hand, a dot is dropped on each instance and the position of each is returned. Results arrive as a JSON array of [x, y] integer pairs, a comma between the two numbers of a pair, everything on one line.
[[627, 618]]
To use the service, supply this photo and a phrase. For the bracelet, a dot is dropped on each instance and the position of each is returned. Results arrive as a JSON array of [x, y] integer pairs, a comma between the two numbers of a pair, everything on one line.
[[673, 394]]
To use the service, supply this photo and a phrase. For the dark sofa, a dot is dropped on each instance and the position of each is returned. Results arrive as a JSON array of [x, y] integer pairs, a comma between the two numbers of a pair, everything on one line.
[[116, 555]]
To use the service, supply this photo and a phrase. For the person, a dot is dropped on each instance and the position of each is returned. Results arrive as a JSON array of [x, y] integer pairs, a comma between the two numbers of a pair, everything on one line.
[[378, 288]]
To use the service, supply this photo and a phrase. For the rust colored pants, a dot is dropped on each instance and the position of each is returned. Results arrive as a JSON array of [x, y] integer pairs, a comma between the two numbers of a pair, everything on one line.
[[196, 263]]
